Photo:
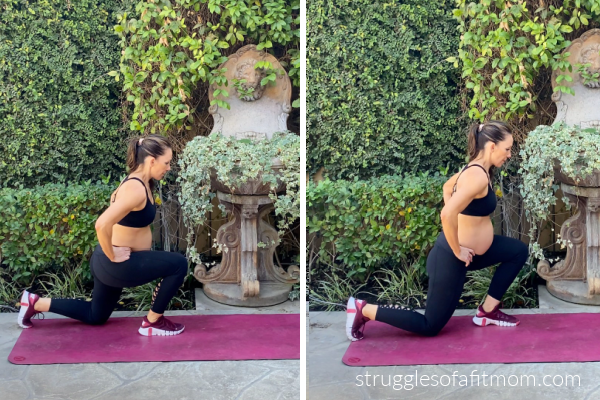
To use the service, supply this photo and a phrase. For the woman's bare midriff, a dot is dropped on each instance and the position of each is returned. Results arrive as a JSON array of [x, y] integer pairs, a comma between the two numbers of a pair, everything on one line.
[[138, 239], [475, 233]]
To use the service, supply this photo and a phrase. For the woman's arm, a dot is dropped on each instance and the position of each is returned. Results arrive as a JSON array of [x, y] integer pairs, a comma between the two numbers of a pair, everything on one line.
[[130, 197], [447, 188], [472, 183]]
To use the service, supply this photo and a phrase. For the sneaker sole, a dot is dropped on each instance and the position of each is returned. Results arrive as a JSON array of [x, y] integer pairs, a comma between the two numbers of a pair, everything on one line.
[[158, 332], [23, 310], [486, 321], [350, 316]]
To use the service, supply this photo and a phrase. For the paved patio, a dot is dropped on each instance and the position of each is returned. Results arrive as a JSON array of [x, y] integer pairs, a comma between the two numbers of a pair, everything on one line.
[[330, 379], [243, 380]]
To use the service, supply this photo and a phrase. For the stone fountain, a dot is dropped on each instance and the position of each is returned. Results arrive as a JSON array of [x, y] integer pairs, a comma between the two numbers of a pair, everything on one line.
[[577, 277], [247, 275]]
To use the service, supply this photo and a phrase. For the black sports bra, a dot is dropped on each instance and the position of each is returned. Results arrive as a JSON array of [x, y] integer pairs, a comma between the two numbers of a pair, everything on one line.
[[140, 218], [479, 207]]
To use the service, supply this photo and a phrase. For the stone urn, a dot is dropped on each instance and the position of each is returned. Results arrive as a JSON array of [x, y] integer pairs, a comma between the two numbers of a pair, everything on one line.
[[591, 180], [577, 277], [253, 187], [247, 275]]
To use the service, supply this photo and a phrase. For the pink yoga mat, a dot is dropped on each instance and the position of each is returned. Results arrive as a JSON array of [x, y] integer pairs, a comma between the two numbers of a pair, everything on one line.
[[538, 338], [206, 337]]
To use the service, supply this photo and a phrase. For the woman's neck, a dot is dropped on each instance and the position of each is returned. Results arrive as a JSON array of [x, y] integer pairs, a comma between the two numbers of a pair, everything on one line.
[[141, 175], [481, 161]]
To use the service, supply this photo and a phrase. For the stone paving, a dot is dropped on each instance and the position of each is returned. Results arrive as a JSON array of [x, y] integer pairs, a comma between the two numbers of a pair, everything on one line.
[[226, 380], [330, 379]]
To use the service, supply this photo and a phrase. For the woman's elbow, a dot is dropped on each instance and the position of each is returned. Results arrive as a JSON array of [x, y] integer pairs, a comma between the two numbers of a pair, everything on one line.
[[446, 215], [100, 224]]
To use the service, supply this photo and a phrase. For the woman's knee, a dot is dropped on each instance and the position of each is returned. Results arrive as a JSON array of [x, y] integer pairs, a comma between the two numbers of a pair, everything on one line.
[[522, 252], [515, 249], [181, 264], [98, 319], [432, 331], [433, 327]]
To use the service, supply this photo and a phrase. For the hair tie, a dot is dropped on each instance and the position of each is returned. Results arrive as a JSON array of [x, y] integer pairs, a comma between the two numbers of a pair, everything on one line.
[[140, 141], [480, 128]]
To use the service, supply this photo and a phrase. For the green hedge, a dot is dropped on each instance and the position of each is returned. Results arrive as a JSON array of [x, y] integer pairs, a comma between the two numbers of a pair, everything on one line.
[[49, 227], [59, 110], [370, 222], [381, 99]]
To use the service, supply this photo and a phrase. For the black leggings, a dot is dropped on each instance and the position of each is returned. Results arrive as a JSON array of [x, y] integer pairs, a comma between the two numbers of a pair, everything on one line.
[[447, 278], [110, 278]]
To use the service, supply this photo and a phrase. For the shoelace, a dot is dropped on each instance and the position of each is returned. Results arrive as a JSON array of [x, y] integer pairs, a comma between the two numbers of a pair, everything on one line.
[[37, 315], [166, 323], [503, 316]]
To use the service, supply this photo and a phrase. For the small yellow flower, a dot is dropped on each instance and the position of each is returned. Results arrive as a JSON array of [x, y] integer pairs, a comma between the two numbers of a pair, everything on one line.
[[72, 216], [461, 301], [121, 303], [409, 209], [157, 201], [65, 219], [402, 213], [388, 226], [498, 192], [52, 231]]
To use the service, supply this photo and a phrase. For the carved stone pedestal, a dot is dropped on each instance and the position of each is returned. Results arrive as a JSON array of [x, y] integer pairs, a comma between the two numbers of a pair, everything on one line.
[[247, 275], [577, 278]]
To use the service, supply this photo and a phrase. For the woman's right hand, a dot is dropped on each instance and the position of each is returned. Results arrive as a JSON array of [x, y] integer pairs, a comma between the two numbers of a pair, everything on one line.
[[121, 254], [466, 255]]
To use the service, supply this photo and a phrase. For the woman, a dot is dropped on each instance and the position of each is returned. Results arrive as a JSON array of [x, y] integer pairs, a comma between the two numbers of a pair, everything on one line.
[[123, 257], [466, 243]]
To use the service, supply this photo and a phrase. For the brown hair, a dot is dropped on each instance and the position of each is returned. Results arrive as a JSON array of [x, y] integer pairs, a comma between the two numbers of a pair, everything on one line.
[[480, 134], [152, 145]]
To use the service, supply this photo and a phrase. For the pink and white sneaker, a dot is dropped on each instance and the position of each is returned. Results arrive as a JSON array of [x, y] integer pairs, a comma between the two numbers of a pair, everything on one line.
[[27, 310], [162, 327], [355, 320], [495, 317]]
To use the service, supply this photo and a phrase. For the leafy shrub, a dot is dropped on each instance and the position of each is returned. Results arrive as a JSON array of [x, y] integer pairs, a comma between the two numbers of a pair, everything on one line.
[[368, 222], [59, 109], [50, 226], [380, 97]]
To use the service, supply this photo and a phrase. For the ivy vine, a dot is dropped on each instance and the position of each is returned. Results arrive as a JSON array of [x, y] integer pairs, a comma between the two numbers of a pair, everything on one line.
[[234, 162], [575, 148], [505, 44], [170, 47]]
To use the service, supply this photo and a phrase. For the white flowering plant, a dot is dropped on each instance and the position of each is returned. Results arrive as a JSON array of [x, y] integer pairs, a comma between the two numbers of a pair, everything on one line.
[[576, 150]]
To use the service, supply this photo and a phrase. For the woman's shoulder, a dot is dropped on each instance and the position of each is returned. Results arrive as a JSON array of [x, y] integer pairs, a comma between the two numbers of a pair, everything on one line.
[[475, 175], [469, 175], [130, 188]]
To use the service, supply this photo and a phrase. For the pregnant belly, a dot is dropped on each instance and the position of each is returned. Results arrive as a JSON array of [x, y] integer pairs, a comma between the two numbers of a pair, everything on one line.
[[137, 238], [476, 233]]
